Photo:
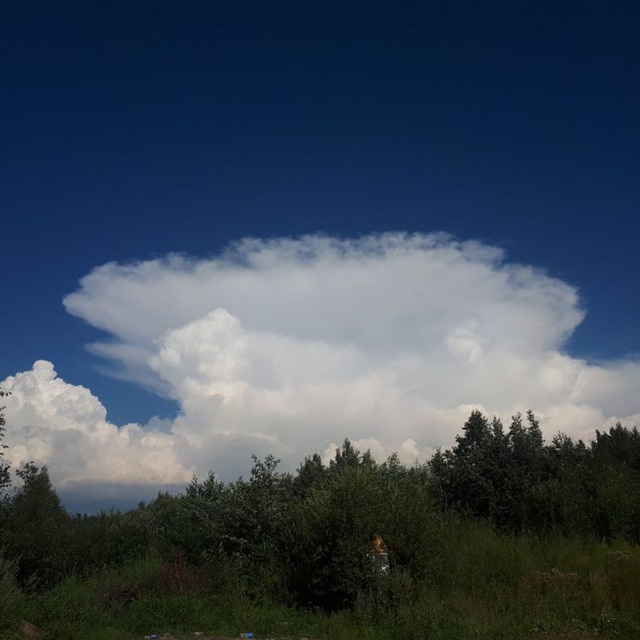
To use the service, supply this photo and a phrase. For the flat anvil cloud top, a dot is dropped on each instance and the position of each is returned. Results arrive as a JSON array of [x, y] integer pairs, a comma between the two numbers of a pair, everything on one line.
[[287, 346]]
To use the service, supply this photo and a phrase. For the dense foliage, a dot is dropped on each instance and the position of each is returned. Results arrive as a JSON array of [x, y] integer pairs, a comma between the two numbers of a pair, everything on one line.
[[303, 540], [516, 482]]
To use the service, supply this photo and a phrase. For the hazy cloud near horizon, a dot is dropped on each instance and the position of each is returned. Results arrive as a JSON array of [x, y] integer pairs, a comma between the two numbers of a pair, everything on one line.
[[288, 346]]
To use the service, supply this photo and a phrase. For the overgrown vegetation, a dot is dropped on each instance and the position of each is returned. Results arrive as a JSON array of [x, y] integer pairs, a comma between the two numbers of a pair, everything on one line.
[[503, 536]]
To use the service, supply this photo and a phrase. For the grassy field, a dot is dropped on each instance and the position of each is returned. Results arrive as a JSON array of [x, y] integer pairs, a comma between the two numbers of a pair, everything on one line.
[[481, 586]]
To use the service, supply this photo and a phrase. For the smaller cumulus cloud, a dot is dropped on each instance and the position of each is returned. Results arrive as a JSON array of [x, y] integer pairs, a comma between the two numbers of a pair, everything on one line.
[[288, 346], [64, 426]]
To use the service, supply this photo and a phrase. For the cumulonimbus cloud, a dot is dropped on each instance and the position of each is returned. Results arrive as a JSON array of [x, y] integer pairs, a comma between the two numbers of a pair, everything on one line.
[[288, 346]]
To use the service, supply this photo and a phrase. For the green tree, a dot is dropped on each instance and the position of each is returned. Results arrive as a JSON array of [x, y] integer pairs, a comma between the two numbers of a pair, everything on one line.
[[38, 528], [464, 472], [346, 456], [560, 503], [616, 475], [493, 475], [311, 474], [620, 446], [5, 471]]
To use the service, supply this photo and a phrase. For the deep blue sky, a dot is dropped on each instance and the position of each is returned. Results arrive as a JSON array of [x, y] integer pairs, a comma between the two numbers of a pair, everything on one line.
[[131, 129]]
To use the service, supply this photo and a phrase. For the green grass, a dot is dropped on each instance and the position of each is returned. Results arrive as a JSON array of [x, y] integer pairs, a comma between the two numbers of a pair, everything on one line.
[[482, 587]]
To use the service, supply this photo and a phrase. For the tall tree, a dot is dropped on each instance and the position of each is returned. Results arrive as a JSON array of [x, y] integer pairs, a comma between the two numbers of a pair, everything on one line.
[[311, 473], [346, 456], [37, 527], [620, 445], [463, 474], [5, 473]]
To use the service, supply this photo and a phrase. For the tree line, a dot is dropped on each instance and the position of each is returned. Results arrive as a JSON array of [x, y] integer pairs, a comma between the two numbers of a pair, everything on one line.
[[304, 538]]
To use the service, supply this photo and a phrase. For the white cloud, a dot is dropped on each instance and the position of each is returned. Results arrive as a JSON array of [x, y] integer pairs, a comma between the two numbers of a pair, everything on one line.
[[64, 426], [288, 346]]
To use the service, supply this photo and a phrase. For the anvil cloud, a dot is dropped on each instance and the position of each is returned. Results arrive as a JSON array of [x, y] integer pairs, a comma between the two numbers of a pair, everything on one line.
[[288, 346]]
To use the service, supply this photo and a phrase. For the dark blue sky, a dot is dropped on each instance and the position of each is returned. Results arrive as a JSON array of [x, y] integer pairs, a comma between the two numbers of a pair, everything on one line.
[[132, 129]]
